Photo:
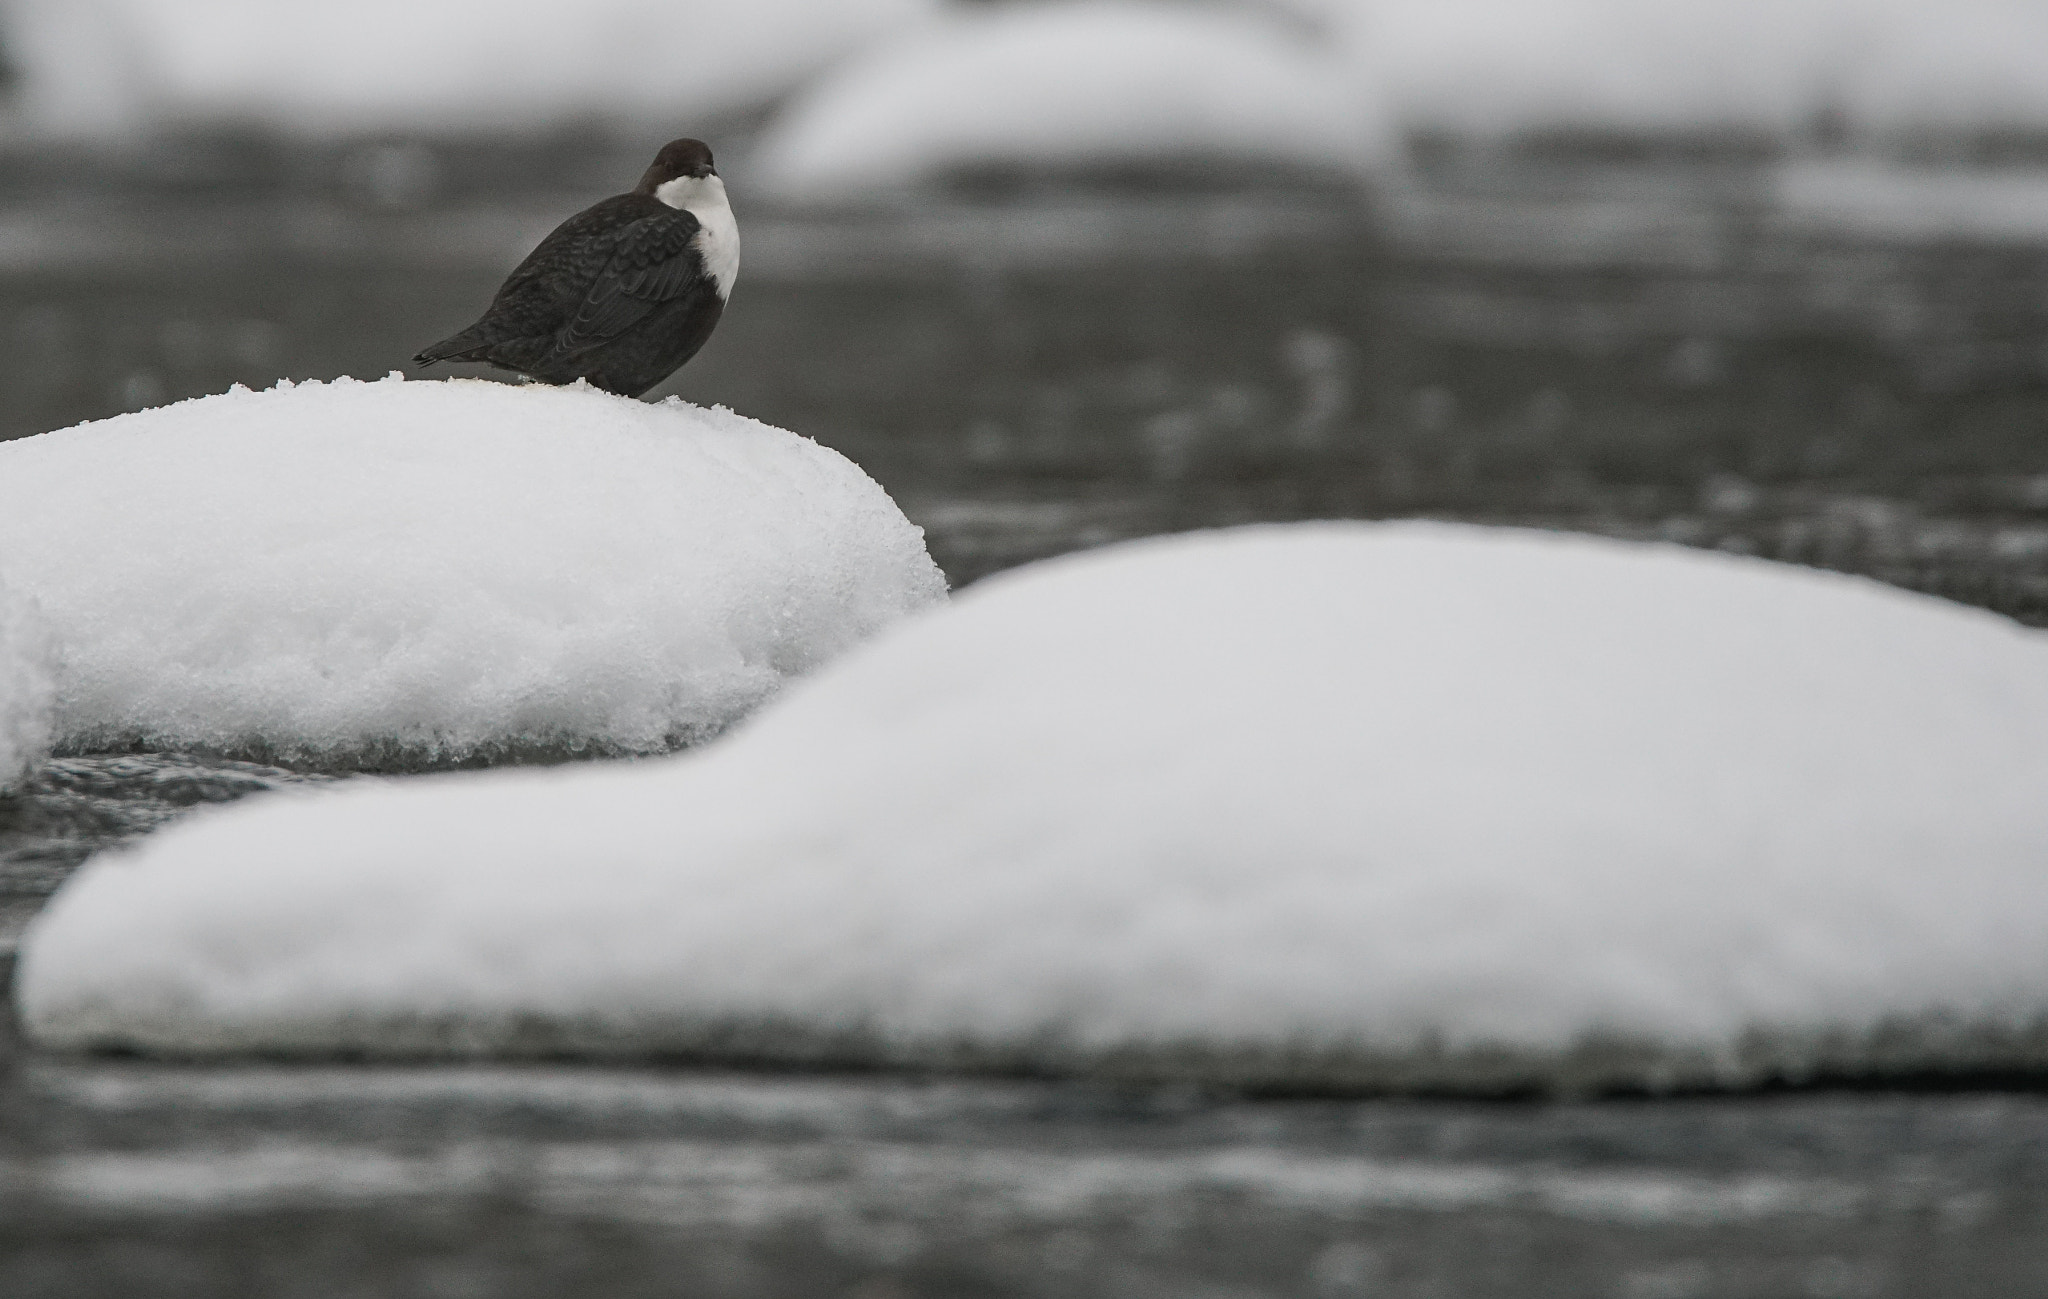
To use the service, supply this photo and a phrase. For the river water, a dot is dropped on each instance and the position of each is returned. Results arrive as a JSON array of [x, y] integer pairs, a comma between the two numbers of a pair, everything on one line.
[[1684, 354]]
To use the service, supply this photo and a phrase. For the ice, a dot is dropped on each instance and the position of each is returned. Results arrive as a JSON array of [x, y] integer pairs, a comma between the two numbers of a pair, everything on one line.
[[1076, 85], [1326, 805], [93, 66], [26, 686], [400, 572]]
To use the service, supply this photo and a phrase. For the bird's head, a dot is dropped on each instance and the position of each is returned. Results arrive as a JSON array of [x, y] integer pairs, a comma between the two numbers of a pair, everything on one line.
[[679, 160]]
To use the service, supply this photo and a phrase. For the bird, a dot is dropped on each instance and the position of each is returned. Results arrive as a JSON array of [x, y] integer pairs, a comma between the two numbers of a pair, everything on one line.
[[621, 294]]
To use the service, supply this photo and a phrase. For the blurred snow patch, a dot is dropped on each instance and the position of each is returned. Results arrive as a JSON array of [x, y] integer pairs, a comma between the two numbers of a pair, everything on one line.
[[1076, 86], [1340, 804], [1066, 82], [420, 572], [27, 686], [1875, 198], [92, 66], [1778, 66]]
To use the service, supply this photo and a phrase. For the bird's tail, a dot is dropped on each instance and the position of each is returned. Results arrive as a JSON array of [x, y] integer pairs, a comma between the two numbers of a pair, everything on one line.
[[464, 346]]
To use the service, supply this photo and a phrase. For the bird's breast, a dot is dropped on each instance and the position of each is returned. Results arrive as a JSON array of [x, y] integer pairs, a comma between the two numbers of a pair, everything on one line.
[[717, 243]]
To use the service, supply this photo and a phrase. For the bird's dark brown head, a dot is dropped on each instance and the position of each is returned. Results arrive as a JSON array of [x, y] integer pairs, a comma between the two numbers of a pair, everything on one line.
[[677, 159]]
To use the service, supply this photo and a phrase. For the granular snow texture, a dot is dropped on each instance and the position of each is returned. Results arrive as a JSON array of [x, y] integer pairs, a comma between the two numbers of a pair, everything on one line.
[[1340, 805], [402, 573]]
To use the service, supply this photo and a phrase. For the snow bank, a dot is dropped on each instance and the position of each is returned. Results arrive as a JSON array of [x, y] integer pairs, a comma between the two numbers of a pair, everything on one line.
[[26, 686], [426, 571], [1325, 804], [1074, 85], [94, 65]]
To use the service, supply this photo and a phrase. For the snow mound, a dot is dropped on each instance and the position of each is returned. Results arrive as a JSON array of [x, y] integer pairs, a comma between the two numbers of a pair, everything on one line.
[[1323, 805], [400, 572], [26, 686], [1067, 86], [89, 66]]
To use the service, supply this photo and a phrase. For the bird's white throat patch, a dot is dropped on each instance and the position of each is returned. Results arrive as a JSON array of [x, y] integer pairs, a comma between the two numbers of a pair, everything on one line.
[[718, 243]]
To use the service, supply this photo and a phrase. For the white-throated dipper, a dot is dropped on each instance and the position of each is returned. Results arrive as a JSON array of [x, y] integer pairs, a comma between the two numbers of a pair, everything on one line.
[[621, 294]]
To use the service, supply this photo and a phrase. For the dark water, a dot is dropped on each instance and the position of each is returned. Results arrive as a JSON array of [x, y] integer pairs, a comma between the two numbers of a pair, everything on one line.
[[71, 808], [137, 1179], [1646, 359]]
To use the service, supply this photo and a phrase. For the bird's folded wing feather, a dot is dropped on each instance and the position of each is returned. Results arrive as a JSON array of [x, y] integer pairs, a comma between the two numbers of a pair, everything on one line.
[[650, 263]]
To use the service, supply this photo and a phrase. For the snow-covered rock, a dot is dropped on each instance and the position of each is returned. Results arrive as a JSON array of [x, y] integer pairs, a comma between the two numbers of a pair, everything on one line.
[[409, 572], [89, 66], [1094, 83], [26, 686], [1328, 804]]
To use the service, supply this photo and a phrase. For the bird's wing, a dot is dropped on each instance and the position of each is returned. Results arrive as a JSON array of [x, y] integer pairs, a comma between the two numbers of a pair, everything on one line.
[[649, 263], [562, 266]]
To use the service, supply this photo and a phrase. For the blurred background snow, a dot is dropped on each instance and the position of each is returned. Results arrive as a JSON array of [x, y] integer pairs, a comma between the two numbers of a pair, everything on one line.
[[1785, 72], [1954, 78], [100, 68]]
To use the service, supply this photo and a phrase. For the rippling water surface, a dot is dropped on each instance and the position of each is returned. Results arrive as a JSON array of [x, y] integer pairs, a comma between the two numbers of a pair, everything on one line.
[[147, 1179]]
